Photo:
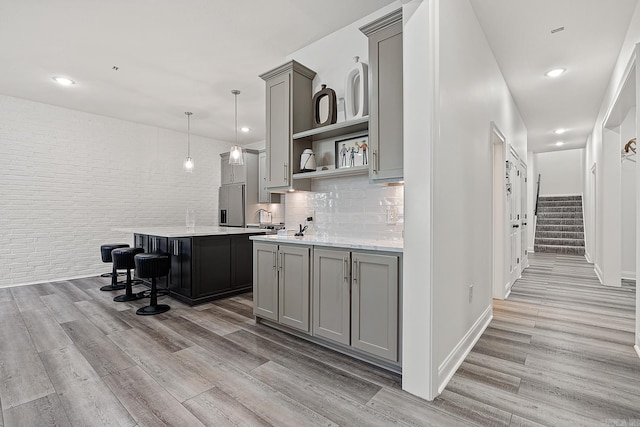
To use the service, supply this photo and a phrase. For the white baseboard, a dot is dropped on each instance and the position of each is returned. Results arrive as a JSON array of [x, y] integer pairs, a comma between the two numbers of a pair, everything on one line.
[[560, 195], [530, 250], [587, 256], [598, 271], [62, 279], [637, 349], [462, 349], [629, 275]]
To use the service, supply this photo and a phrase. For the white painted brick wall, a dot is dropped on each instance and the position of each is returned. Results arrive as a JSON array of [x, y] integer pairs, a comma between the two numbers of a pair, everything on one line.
[[348, 207], [67, 178]]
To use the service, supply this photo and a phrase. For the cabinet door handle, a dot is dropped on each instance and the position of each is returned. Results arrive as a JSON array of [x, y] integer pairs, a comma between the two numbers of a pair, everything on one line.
[[274, 260], [375, 161], [285, 171], [354, 272], [345, 269], [281, 261]]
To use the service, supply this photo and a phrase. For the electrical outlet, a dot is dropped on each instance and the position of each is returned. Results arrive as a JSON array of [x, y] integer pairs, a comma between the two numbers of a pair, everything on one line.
[[470, 292], [311, 216]]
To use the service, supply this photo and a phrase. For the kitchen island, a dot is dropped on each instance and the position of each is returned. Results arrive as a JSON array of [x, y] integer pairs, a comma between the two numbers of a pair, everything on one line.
[[207, 263], [342, 293]]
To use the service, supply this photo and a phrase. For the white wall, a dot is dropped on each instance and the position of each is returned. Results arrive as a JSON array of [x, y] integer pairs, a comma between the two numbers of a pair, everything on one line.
[[532, 187], [628, 198], [607, 215], [470, 92], [561, 172], [67, 178]]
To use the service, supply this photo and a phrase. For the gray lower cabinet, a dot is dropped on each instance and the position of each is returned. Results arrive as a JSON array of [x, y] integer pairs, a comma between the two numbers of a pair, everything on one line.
[[374, 304], [332, 295], [281, 284], [355, 300]]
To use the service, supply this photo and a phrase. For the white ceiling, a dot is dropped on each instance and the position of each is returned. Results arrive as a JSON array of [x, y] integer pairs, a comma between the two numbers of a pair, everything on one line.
[[173, 56], [519, 32], [188, 56]]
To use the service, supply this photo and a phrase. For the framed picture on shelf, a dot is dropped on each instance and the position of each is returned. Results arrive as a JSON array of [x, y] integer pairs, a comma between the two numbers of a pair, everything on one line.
[[352, 152]]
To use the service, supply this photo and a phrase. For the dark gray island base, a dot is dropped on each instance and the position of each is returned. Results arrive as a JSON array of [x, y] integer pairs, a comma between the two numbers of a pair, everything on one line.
[[211, 263]]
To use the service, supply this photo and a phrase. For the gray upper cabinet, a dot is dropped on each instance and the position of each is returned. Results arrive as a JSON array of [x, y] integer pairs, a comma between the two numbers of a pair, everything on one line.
[[385, 112], [289, 110], [374, 304], [232, 174], [332, 294], [264, 195]]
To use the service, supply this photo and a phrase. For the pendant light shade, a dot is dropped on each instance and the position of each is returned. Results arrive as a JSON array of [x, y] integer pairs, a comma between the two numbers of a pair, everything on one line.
[[236, 155], [188, 162]]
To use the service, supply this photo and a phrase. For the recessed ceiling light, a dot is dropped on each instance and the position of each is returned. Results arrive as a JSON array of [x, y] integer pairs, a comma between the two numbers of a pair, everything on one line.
[[559, 131], [64, 81], [555, 72], [245, 129], [559, 143]]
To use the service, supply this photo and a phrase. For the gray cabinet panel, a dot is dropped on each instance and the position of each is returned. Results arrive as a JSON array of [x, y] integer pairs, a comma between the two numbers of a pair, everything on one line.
[[374, 304], [331, 294], [294, 281], [226, 170], [278, 131], [385, 116], [265, 281]]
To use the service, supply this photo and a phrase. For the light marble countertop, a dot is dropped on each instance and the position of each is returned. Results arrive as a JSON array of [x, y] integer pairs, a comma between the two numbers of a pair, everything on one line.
[[335, 242], [182, 231]]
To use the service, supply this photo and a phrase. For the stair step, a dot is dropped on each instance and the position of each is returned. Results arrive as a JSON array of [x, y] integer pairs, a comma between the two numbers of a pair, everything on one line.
[[543, 203], [569, 250], [559, 214], [558, 242], [560, 198], [556, 228], [547, 209], [559, 234]]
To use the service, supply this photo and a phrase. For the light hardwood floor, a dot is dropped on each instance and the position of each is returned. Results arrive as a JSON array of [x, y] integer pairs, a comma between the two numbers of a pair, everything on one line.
[[558, 352]]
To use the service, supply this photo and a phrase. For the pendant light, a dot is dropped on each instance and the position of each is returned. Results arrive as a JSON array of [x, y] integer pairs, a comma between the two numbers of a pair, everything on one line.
[[235, 156], [188, 162]]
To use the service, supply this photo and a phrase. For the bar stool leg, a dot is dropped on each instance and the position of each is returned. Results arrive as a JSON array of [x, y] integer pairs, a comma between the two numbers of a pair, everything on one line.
[[129, 295], [153, 307], [114, 286]]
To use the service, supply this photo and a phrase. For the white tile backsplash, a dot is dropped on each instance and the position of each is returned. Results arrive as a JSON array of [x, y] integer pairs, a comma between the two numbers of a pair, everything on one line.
[[348, 207]]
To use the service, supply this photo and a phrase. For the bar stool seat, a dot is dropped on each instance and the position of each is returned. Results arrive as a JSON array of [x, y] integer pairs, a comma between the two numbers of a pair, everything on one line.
[[123, 259], [152, 265], [105, 252]]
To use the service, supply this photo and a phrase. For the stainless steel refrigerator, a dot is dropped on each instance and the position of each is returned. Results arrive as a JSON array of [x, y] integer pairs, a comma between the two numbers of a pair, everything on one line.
[[231, 205]]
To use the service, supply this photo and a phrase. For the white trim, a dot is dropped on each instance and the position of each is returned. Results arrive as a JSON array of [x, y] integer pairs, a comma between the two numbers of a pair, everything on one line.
[[598, 271], [54, 280], [637, 349], [463, 348], [629, 275], [530, 250], [587, 256]]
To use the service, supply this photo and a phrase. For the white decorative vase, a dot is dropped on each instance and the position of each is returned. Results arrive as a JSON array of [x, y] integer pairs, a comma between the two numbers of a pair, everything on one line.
[[357, 91]]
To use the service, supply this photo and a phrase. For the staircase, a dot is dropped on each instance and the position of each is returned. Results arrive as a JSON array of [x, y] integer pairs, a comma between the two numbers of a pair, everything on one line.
[[559, 228]]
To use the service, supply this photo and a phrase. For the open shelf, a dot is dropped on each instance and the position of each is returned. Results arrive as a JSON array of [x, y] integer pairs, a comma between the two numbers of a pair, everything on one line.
[[332, 173], [336, 129]]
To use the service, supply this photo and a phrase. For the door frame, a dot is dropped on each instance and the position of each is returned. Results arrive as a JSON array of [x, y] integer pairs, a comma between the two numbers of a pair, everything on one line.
[[498, 145]]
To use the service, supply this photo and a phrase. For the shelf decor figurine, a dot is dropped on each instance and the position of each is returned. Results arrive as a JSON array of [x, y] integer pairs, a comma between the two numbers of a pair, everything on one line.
[[332, 114], [357, 91]]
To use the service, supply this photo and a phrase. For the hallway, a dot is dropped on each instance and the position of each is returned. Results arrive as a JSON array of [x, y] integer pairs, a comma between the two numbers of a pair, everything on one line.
[[558, 352]]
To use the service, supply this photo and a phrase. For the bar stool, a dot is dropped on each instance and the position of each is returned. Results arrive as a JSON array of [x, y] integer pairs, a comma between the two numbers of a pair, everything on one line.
[[105, 251], [123, 259], [152, 265]]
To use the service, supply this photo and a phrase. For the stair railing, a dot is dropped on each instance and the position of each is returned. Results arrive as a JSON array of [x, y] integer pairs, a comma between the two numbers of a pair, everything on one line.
[[537, 195]]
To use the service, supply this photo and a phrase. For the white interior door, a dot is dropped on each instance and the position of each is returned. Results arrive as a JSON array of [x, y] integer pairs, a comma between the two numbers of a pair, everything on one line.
[[524, 221], [513, 207]]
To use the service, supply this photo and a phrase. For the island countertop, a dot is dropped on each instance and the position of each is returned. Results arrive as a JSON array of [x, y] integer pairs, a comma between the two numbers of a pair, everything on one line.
[[336, 242], [182, 231]]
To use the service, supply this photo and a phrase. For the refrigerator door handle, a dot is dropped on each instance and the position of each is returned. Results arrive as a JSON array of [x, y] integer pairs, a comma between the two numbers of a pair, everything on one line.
[[223, 216]]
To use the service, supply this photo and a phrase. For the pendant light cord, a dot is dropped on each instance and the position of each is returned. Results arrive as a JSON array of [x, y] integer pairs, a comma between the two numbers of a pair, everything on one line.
[[236, 99], [188, 133]]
